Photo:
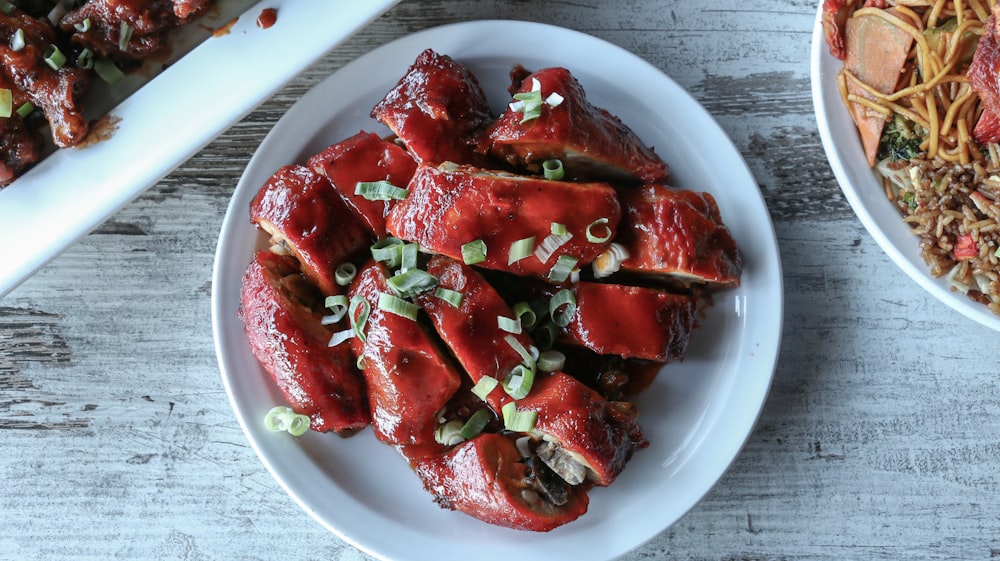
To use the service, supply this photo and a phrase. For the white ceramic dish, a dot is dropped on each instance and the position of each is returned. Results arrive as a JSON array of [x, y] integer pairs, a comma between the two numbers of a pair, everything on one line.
[[166, 121], [698, 413], [862, 188]]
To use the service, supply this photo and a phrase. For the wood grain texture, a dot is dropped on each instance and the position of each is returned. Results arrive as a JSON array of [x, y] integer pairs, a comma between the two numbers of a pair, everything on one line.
[[879, 440]]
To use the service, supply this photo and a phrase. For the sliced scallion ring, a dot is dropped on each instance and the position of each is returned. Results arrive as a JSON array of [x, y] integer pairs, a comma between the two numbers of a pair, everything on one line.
[[525, 314], [546, 334], [338, 306], [281, 419], [562, 307], [450, 296], [519, 381], [450, 433], [474, 252], [6, 103], [345, 273], [25, 109], [484, 386], [54, 57], [108, 71], [475, 424], [124, 36], [85, 59], [562, 269], [520, 249], [380, 191], [518, 421], [552, 243], [551, 361], [83, 26], [388, 251], [509, 325], [299, 425], [557, 229], [412, 282], [594, 238], [553, 169], [357, 312], [398, 306], [17, 40], [519, 348], [340, 336], [408, 255]]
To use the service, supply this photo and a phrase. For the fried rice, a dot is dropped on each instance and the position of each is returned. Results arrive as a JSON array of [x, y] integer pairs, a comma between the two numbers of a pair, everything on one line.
[[955, 211]]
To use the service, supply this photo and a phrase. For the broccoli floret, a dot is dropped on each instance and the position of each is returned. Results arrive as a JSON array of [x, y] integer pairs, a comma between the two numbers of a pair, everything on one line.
[[900, 139]]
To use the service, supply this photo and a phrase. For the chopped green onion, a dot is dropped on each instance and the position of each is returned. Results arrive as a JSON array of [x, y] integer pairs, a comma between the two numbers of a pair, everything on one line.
[[17, 40], [520, 249], [546, 334], [380, 191], [475, 424], [6, 7], [124, 36], [408, 256], [108, 71], [388, 251], [551, 361], [562, 307], [338, 305], [450, 433], [281, 418], [54, 57], [528, 103], [339, 337], [525, 315], [85, 59], [450, 296], [562, 269], [412, 282], [519, 381], [360, 363], [518, 421], [509, 325], [83, 26], [594, 238], [517, 346], [557, 229], [25, 109], [484, 386], [474, 252], [398, 306], [345, 273], [358, 313], [6, 103], [552, 243], [553, 169], [997, 253]]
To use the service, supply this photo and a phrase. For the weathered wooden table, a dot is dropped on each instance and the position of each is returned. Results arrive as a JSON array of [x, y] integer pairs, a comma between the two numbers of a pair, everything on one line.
[[880, 439]]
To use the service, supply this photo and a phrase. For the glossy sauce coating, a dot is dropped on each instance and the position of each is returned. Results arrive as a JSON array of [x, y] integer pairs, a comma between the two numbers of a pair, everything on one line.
[[282, 319], [299, 207], [409, 379], [452, 206]]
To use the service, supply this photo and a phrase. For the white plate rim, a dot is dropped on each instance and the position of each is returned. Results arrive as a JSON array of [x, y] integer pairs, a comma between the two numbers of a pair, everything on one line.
[[862, 190], [757, 306]]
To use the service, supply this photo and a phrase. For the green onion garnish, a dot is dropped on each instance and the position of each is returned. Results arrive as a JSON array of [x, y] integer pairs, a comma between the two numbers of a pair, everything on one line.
[[552, 242], [412, 282], [398, 306], [17, 40], [345, 273], [83, 26], [380, 191], [562, 269], [551, 361], [997, 253], [519, 348], [108, 71], [388, 251], [562, 307], [85, 59], [594, 238], [6, 103], [528, 103], [518, 421], [449, 434], [25, 109], [475, 424], [525, 314], [338, 306], [520, 249], [474, 252], [358, 312], [408, 256], [54, 57], [339, 337], [546, 333], [124, 36], [509, 325], [450, 296], [484, 386], [519, 381], [553, 169], [281, 418], [557, 229]]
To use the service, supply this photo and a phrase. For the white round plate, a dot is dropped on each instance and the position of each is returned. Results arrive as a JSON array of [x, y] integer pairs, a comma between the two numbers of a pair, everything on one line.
[[862, 188], [697, 415]]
